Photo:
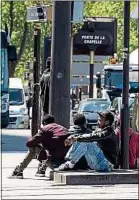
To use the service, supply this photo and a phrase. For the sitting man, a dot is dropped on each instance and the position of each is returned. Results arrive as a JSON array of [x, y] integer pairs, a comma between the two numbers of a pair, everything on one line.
[[100, 147], [48, 144]]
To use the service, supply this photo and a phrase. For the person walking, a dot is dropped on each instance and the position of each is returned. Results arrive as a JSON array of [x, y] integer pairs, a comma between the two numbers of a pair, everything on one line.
[[45, 87]]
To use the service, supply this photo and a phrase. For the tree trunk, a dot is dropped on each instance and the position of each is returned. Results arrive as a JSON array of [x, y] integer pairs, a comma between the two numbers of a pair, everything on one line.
[[11, 18], [12, 68], [22, 47], [12, 65]]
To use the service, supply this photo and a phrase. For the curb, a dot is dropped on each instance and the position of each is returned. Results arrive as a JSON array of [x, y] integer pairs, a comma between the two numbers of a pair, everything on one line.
[[97, 178]]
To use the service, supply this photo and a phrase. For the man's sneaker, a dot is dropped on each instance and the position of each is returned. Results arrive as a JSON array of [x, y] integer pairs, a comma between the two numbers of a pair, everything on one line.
[[64, 167], [40, 173], [16, 174]]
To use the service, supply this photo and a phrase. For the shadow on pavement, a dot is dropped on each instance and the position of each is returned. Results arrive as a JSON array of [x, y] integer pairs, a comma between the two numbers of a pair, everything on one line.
[[13, 143]]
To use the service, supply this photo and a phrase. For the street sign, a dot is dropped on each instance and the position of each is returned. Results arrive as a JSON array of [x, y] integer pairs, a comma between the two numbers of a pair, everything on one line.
[[98, 35], [36, 14], [91, 40]]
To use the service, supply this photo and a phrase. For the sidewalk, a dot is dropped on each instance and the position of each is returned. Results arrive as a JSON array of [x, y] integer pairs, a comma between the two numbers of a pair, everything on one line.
[[32, 187]]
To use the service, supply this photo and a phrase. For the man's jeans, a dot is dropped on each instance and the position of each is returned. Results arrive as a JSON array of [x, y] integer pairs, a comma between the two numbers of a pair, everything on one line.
[[93, 154]]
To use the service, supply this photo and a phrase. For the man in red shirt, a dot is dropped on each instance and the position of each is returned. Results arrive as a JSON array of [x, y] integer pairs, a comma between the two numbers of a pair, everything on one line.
[[47, 144]]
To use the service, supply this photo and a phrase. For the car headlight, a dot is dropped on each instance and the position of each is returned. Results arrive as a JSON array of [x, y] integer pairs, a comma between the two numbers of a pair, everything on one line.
[[5, 103], [5, 98], [23, 111], [4, 107]]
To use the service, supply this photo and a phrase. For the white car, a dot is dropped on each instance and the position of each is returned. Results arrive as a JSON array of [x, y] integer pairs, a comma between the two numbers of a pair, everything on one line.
[[18, 113]]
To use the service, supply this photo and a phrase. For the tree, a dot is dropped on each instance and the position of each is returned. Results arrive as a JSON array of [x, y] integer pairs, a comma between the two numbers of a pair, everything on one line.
[[21, 32], [14, 14]]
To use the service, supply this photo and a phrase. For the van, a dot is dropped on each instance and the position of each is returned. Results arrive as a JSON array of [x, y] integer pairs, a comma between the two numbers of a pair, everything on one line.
[[18, 113]]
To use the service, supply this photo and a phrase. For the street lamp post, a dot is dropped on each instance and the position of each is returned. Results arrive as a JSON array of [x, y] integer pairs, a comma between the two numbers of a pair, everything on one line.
[[36, 77], [37, 14], [125, 95], [60, 71]]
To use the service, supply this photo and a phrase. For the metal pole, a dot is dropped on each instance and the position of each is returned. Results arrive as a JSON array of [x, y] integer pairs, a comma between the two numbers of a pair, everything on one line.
[[60, 71], [125, 96], [36, 79], [91, 85], [98, 84]]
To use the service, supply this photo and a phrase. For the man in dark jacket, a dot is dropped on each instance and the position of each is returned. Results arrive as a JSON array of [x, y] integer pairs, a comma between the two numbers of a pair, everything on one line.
[[47, 144], [45, 87], [100, 147], [79, 127]]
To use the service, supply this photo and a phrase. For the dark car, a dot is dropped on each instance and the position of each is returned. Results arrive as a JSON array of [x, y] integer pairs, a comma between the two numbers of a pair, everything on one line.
[[89, 107]]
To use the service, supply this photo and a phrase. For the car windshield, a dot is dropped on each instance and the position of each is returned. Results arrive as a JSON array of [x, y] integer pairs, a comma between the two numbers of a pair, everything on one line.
[[16, 97], [94, 106]]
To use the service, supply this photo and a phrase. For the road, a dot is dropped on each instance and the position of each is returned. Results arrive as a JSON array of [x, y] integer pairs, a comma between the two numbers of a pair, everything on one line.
[[31, 187], [13, 140]]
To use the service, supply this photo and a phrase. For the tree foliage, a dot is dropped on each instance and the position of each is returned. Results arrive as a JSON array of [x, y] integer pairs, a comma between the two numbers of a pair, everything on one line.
[[22, 33], [14, 14]]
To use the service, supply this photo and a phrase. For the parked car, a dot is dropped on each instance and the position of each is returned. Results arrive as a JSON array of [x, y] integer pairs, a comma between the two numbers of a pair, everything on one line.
[[18, 113], [116, 104], [89, 107]]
